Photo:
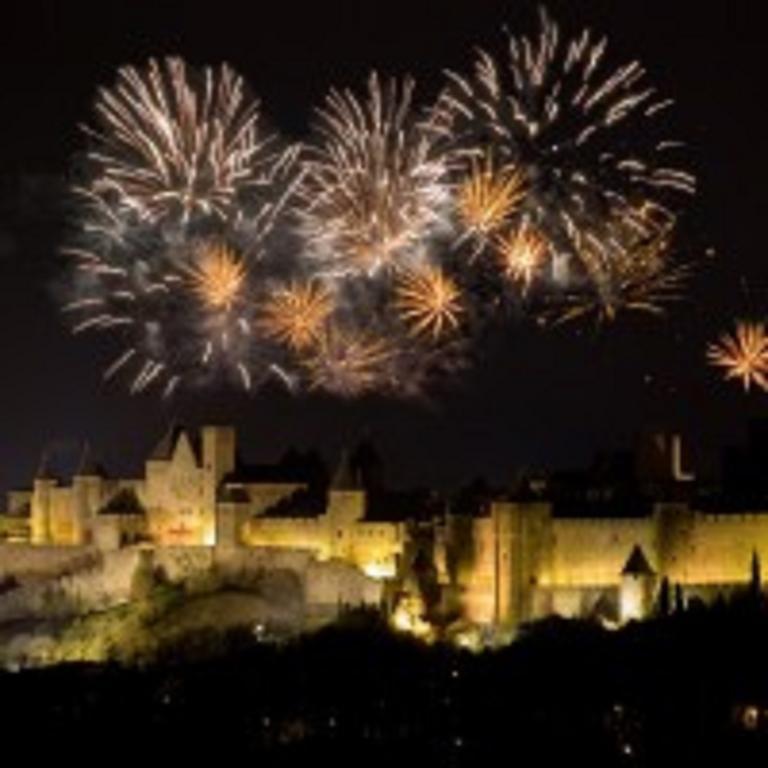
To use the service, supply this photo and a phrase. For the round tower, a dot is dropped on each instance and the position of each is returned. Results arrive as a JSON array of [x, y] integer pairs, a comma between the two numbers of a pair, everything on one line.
[[638, 586]]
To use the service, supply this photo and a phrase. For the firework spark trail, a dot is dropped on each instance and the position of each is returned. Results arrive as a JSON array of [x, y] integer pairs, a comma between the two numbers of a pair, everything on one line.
[[184, 188], [521, 253], [630, 269], [297, 315], [429, 302], [206, 245], [743, 355], [552, 112], [172, 145], [375, 186], [374, 207], [488, 198], [217, 276], [185, 307], [351, 363]]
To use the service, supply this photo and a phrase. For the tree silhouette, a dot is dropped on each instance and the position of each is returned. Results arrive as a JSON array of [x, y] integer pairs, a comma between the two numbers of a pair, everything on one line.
[[664, 604]]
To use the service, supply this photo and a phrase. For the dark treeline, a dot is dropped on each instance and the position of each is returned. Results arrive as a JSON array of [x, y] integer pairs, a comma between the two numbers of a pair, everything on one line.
[[685, 689]]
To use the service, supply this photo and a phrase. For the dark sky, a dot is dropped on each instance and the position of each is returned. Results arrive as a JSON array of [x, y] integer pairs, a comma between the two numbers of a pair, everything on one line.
[[536, 398]]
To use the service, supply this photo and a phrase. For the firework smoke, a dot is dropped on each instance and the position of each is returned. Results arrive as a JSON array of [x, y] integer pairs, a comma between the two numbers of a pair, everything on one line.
[[298, 315], [172, 144]]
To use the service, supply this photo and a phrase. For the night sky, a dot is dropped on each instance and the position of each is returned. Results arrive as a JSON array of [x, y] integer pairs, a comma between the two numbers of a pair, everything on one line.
[[535, 398]]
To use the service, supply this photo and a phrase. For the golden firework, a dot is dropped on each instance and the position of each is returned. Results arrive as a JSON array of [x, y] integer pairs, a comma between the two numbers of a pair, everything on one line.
[[217, 276], [173, 143], [350, 363], [375, 187], [297, 315], [743, 355], [629, 265], [428, 301], [521, 253], [489, 197]]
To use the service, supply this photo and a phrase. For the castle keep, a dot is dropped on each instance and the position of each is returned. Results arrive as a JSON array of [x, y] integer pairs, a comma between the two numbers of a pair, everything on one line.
[[513, 558]]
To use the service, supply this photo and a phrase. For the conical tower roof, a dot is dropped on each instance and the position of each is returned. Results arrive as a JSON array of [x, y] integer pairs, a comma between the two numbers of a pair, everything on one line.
[[165, 448], [637, 564]]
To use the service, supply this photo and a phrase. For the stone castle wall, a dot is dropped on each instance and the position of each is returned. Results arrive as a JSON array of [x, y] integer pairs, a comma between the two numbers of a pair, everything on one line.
[[592, 553], [288, 533], [61, 582], [98, 583], [518, 563], [31, 563], [719, 550]]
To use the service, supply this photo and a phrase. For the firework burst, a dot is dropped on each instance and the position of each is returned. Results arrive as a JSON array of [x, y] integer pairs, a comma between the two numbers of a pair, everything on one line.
[[630, 267], [743, 355], [351, 363], [587, 140], [173, 144], [183, 190], [297, 315], [487, 199], [217, 276], [429, 302], [549, 166], [521, 254], [375, 186], [183, 308]]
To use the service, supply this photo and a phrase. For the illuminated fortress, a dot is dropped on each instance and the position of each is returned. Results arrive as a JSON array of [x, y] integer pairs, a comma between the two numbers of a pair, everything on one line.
[[507, 560]]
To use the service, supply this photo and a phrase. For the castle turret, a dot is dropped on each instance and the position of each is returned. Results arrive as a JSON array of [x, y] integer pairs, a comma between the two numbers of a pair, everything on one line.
[[41, 502], [638, 584], [87, 496], [219, 444], [232, 510], [346, 506]]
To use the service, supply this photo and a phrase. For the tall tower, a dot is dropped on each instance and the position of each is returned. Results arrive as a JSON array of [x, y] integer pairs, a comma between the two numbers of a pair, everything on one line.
[[638, 583], [520, 539], [219, 448], [41, 503], [87, 486], [346, 506]]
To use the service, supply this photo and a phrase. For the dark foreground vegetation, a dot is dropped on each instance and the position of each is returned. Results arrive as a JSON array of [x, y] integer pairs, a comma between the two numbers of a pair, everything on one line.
[[687, 689]]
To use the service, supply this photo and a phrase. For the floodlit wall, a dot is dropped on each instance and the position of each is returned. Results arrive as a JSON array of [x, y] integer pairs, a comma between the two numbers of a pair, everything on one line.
[[588, 553], [300, 533], [93, 581], [25, 562], [516, 565], [719, 549], [18, 501], [374, 548], [14, 529], [502, 562]]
